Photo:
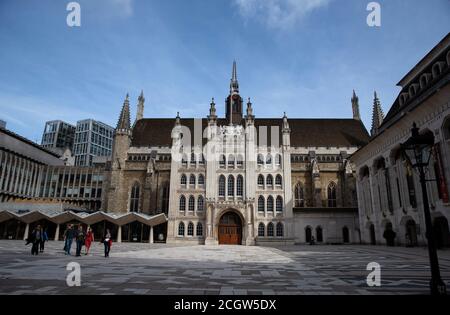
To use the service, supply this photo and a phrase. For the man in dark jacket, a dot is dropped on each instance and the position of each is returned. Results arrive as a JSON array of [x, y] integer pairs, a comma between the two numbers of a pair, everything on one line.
[[68, 238], [35, 239]]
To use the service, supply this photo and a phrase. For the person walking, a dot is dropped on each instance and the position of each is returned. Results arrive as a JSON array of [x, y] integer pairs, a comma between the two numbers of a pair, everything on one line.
[[68, 239], [107, 242], [80, 237], [44, 239], [89, 240], [36, 237]]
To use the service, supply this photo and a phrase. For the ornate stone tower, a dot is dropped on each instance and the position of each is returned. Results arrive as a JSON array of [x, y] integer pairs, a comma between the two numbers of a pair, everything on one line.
[[355, 106], [234, 101], [118, 193], [377, 116]]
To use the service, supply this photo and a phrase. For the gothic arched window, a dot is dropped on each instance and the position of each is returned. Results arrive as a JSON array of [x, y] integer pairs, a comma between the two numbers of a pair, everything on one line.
[[270, 230], [261, 230], [261, 181], [181, 229], [182, 203], [299, 196], [191, 203], [269, 181], [278, 160], [260, 159], [270, 204], [222, 186], [261, 204], [200, 203], [332, 195], [201, 180], [193, 159], [240, 186], [231, 161], [199, 229], [190, 231], [269, 159], [279, 205], [134, 198], [192, 180], [231, 185], [280, 232], [183, 180], [240, 161], [319, 234], [222, 161], [278, 181]]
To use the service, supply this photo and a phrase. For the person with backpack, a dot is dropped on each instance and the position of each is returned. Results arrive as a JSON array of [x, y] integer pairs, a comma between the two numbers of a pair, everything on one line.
[[80, 239], [44, 239], [35, 240], [68, 239]]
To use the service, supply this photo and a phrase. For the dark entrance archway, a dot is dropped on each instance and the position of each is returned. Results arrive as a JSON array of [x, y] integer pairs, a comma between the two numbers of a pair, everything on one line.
[[411, 233], [441, 232], [230, 229], [373, 239]]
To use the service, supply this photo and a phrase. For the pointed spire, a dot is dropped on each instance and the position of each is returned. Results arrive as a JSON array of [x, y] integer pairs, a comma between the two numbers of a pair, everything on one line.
[[355, 106], [178, 119], [140, 107], [249, 108], [377, 115], [124, 120], [234, 85]]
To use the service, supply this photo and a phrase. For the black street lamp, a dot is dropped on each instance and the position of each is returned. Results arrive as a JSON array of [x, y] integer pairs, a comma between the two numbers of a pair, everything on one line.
[[417, 151]]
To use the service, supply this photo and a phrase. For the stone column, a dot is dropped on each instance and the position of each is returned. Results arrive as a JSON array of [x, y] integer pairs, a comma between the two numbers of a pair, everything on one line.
[[57, 233], [151, 235], [27, 230], [119, 234]]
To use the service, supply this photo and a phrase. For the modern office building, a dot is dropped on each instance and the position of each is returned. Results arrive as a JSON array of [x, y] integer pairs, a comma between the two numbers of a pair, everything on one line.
[[92, 138], [58, 136]]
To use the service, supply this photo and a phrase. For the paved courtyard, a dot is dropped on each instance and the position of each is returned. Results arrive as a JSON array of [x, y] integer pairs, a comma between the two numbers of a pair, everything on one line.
[[185, 270]]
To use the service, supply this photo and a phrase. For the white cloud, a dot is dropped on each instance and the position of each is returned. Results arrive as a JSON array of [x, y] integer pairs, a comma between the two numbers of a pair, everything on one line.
[[278, 14]]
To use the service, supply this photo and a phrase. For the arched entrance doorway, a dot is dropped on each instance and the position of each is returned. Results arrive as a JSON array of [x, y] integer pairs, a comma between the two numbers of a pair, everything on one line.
[[411, 233], [230, 229], [441, 232]]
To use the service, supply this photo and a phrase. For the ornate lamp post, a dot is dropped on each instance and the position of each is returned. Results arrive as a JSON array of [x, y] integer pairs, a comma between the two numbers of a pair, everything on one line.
[[417, 151]]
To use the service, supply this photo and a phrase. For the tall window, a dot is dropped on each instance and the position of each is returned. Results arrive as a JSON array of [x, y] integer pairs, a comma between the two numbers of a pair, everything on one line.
[[182, 203], [269, 181], [270, 204], [231, 161], [240, 186], [184, 161], [260, 159], [193, 159], [278, 160], [181, 229], [240, 161], [278, 181], [165, 198], [134, 198], [191, 203], [200, 203], [222, 186], [260, 181], [280, 229], [270, 229], [261, 230], [332, 195], [269, 159], [192, 180], [201, 180], [299, 196], [190, 231], [279, 204], [261, 204], [202, 159], [199, 229], [231, 185], [222, 161], [183, 180], [411, 188]]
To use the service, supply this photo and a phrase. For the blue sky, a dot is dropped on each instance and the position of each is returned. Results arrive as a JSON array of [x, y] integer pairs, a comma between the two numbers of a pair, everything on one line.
[[299, 56]]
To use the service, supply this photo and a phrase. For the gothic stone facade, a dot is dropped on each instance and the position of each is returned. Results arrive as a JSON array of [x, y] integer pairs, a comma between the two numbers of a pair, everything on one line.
[[389, 191], [239, 179]]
